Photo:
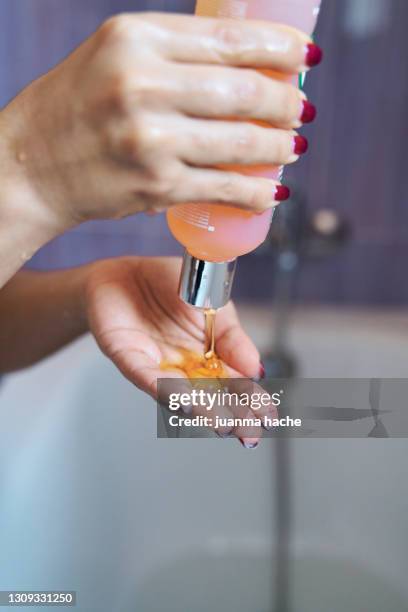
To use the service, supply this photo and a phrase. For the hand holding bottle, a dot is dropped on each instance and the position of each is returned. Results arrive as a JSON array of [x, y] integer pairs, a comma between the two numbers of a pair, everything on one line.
[[135, 118], [214, 236]]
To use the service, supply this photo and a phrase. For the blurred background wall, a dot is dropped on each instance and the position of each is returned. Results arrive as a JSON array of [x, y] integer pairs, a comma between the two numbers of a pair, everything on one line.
[[357, 164]]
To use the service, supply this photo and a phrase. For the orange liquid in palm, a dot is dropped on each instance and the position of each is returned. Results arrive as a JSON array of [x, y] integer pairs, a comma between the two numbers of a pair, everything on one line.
[[193, 365]]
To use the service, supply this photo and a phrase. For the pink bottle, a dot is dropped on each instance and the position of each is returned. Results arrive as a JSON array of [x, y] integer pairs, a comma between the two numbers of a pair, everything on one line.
[[215, 235]]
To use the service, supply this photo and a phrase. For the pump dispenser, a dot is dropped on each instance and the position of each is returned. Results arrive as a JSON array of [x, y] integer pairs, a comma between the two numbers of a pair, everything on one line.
[[215, 235]]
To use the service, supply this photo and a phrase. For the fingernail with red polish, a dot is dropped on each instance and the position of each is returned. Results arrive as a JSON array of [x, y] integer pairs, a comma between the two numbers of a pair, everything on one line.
[[223, 434], [248, 443], [308, 112], [261, 371], [301, 145], [282, 193], [314, 55]]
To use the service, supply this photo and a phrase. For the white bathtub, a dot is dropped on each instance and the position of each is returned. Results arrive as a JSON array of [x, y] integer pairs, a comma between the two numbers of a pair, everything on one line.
[[92, 501]]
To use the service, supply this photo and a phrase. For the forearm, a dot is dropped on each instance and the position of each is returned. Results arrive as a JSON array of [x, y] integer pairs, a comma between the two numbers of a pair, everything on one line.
[[25, 225], [39, 313]]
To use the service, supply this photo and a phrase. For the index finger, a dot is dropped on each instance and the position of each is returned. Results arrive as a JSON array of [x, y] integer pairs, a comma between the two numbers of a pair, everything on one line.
[[232, 42]]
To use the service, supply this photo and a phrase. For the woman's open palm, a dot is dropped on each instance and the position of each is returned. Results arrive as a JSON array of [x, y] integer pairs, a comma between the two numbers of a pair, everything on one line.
[[139, 321]]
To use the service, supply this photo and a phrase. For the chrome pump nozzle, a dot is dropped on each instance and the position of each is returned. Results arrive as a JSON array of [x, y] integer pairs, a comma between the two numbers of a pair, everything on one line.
[[206, 284]]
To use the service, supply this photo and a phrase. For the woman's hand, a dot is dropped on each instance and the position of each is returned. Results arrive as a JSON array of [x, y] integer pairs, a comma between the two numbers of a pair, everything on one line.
[[137, 118], [138, 321], [132, 308]]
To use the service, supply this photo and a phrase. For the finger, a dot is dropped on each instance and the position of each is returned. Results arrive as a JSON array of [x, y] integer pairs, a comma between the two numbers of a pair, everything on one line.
[[222, 187], [235, 42], [225, 417], [218, 413], [241, 93], [263, 405], [246, 429], [234, 346], [224, 409], [258, 411], [249, 435], [205, 143]]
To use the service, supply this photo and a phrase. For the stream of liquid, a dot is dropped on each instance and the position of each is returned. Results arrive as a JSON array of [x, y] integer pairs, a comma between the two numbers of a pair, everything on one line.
[[194, 365]]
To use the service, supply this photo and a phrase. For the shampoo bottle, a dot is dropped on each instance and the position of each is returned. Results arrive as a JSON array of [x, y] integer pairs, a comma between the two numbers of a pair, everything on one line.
[[215, 235]]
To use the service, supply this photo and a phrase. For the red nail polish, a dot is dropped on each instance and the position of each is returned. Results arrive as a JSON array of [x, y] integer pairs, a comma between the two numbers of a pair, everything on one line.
[[301, 145], [261, 371], [248, 443], [308, 113], [282, 193], [314, 55]]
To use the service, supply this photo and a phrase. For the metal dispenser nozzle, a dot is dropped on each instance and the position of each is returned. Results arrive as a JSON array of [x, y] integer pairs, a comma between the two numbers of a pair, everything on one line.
[[206, 284]]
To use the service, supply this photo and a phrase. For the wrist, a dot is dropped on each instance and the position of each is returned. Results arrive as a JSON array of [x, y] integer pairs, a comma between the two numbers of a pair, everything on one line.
[[78, 281], [20, 147], [25, 223]]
